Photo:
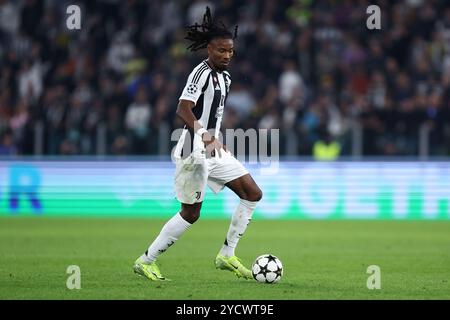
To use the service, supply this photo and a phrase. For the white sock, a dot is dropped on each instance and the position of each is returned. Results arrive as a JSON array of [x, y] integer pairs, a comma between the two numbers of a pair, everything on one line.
[[170, 233], [239, 222]]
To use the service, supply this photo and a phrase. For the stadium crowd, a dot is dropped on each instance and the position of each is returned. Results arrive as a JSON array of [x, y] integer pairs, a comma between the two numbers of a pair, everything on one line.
[[310, 68]]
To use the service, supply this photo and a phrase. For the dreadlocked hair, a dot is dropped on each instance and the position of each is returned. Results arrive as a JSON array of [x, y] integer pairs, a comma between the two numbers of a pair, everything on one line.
[[201, 35]]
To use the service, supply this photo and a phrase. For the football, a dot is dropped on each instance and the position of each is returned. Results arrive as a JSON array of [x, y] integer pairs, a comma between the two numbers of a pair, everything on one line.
[[267, 268]]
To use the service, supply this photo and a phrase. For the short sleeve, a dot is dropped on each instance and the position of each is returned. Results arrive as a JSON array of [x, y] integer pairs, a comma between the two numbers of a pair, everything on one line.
[[195, 83]]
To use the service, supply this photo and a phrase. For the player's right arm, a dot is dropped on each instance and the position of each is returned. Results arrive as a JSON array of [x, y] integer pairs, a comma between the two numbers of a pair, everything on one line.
[[184, 111]]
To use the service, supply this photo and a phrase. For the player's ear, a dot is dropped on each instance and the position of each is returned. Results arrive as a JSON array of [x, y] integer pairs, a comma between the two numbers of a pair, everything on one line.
[[209, 48]]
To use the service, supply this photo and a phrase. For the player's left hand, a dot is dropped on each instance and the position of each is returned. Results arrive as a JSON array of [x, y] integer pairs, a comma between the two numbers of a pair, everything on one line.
[[219, 151], [214, 146]]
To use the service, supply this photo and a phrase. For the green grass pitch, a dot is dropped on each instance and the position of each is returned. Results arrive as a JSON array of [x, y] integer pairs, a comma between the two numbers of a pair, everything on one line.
[[322, 259]]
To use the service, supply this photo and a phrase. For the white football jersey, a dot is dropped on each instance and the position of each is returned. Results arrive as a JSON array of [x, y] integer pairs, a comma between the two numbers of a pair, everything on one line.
[[208, 89]]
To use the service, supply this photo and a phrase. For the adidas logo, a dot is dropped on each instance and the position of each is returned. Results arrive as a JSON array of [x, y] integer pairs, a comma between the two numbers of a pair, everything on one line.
[[217, 87]]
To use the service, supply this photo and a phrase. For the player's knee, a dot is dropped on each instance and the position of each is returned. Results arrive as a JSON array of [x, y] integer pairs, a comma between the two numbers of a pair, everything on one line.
[[195, 216], [257, 196], [190, 215], [254, 195]]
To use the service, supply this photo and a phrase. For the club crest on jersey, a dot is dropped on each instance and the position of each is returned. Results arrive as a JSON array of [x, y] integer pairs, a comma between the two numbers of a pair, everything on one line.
[[192, 88]]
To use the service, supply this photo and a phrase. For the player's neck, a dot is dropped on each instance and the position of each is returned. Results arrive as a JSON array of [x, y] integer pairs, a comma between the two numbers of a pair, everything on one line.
[[213, 67]]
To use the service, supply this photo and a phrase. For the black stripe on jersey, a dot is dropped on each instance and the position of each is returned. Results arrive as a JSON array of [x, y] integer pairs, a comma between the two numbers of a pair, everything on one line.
[[198, 74], [215, 103], [227, 78], [199, 70], [226, 74]]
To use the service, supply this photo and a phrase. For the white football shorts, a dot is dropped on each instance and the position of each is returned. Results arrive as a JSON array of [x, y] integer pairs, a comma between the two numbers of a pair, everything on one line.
[[196, 171]]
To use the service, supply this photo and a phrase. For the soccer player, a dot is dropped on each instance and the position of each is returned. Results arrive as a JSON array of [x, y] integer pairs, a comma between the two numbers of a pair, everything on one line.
[[201, 159]]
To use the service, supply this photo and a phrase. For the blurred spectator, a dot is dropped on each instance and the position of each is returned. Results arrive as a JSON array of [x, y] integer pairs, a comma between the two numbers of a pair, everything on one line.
[[30, 81], [290, 83], [300, 66], [325, 148], [196, 10], [240, 99], [19, 122], [120, 52], [7, 147], [137, 121], [9, 17]]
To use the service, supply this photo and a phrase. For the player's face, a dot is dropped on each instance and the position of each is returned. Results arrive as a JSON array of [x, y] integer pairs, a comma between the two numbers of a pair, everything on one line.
[[220, 52]]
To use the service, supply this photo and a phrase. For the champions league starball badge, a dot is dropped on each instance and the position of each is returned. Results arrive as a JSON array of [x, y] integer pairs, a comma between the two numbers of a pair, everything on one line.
[[192, 88]]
